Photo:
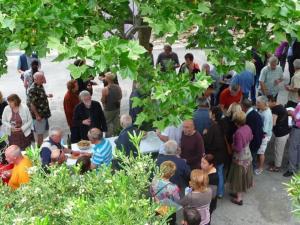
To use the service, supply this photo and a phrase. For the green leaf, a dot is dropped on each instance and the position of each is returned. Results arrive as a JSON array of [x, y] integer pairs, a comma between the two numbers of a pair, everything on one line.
[[85, 43], [77, 71], [204, 7]]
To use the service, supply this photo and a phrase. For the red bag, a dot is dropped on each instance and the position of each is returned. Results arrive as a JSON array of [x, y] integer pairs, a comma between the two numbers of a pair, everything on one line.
[[4, 168]]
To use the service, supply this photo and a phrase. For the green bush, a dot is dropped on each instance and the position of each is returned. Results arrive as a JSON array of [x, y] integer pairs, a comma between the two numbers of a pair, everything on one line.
[[63, 196], [293, 188]]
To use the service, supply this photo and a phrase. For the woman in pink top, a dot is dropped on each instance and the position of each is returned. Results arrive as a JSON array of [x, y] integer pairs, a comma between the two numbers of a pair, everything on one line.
[[241, 171]]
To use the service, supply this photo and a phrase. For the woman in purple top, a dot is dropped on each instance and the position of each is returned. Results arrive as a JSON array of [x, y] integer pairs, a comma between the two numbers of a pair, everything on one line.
[[241, 174]]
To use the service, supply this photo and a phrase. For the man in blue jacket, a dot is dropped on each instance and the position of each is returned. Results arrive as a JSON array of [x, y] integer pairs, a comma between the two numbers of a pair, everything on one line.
[[254, 121]]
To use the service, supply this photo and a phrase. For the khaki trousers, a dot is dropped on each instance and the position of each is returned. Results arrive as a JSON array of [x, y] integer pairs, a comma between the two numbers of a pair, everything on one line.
[[112, 121], [279, 146]]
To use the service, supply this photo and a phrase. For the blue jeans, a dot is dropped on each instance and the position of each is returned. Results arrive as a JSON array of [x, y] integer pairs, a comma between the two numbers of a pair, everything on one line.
[[220, 171]]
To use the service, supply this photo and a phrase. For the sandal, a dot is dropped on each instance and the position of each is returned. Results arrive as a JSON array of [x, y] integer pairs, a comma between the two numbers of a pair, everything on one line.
[[274, 169], [234, 201]]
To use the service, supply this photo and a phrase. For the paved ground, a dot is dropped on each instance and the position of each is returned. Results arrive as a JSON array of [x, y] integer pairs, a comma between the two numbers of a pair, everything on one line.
[[265, 204]]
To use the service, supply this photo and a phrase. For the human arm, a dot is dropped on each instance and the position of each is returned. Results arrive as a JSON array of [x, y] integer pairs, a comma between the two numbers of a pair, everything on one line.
[[262, 78], [104, 95], [176, 60], [237, 144]]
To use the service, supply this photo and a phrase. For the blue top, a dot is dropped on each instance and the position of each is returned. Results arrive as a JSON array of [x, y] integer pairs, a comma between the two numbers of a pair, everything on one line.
[[102, 153], [267, 119], [245, 79], [201, 119]]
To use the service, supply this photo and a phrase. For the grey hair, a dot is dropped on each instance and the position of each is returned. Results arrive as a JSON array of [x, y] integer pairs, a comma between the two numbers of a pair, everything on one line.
[[204, 65], [83, 94], [296, 64], [171, 147], [273, 59], [95, 134], [262, 99], [55, 131], [202, 102], [126, 120]]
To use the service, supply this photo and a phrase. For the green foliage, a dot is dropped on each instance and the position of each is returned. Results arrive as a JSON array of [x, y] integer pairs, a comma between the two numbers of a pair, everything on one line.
[[63, 196], [79, 29], [293, 189]]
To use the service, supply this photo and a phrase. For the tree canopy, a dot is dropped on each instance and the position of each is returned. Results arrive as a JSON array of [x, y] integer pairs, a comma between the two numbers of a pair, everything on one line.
[[94, 30]]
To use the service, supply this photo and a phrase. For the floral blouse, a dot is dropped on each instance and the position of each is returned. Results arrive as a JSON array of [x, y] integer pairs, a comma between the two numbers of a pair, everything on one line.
[[165, 192]]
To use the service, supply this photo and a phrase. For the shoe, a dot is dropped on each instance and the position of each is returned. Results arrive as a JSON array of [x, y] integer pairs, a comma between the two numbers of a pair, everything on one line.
[[234, 201], [288, 173], [220, 196], [258, 171], [233, 195]]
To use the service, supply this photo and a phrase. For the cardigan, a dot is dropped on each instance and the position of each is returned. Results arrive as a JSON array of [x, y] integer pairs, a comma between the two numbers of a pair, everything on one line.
[[25, 116]]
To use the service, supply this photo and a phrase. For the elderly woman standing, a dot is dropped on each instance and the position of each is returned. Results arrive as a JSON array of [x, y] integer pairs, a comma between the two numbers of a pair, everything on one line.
[[17, 122], [163, 190], [200, 195], [241, 172], [71, 99]]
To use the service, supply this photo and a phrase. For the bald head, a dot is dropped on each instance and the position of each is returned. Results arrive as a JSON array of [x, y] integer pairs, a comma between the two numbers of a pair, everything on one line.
[[188, 127], [13, 154], [39, 77]]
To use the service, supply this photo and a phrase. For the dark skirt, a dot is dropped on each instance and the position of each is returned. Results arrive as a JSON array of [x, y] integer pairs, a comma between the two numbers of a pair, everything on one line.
[[240, 179], [19, 139]]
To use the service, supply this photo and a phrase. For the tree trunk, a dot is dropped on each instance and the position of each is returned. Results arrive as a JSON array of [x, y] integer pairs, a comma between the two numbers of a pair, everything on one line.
[[144, 36]]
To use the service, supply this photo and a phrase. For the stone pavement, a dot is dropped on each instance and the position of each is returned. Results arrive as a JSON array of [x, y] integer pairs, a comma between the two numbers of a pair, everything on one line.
[[265, 204]]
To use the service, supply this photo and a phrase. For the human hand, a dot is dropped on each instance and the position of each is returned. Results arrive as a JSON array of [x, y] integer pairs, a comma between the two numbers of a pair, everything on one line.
[[205, 131], [87, 122], [16, 129], [38, 118], [276, 82]]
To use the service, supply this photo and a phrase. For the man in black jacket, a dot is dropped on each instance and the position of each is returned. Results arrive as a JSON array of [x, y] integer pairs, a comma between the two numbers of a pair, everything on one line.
[[254, 121], [88, 114]]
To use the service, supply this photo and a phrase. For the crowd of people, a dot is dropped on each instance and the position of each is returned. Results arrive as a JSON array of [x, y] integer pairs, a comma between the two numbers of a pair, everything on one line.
[[237, 119]]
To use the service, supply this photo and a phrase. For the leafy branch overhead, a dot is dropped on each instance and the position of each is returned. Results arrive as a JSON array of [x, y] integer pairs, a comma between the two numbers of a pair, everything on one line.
[[94, 30]]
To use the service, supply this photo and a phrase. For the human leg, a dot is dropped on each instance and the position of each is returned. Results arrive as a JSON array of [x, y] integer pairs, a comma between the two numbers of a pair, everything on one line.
[[220, 171], [279, 146]]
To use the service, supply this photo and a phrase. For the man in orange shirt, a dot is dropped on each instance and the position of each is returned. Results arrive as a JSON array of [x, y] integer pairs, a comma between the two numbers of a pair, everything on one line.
[[230, 95], [19, 174]]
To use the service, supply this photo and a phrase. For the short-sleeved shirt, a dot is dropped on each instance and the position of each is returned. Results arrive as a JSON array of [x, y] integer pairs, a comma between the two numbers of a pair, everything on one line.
[[245, 79], [20, 173], [166, 192], [268, 77], [28, 77], [102, 153], [296, 116], [295, 83], [267, 119], [173, 133], [281, 128], [227, 99], [167, 61], [37, 96]]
